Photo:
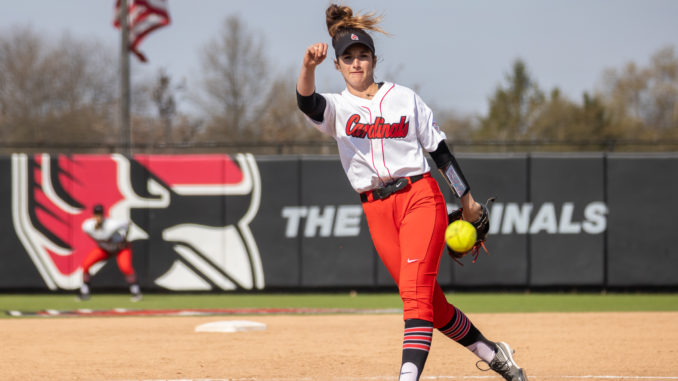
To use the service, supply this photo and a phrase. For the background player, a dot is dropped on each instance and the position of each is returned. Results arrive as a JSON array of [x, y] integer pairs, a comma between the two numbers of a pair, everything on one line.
[[111, 238], [382, 130]]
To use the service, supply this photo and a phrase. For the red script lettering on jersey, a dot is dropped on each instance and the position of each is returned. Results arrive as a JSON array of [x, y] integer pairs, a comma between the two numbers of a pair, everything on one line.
[[378, 129]]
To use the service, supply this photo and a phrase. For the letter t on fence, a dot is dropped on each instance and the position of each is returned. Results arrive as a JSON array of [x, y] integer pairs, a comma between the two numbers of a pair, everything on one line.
[[294, 214]]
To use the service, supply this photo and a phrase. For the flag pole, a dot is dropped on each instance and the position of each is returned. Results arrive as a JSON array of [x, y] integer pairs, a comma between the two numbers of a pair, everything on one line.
[[125, 130]]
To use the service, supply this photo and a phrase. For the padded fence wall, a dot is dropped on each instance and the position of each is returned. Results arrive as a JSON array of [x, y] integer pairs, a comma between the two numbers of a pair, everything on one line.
[[219, 222]]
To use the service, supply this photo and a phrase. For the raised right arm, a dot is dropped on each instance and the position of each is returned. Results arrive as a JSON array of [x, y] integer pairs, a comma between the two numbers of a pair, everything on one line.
[[310, 102], [314, 55]]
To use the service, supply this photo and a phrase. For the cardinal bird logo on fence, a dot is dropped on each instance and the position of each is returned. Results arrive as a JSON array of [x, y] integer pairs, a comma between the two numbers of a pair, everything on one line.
[[191, 212]]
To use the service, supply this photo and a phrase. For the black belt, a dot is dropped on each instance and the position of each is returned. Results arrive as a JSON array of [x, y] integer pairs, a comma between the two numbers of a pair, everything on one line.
[[390, 188]]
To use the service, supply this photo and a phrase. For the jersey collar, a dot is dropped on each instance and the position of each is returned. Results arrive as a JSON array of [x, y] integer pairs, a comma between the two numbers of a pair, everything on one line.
[[380, 94]]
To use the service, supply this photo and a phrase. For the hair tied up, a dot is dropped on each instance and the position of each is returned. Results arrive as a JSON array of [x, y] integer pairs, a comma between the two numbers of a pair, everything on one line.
[[340, 17]]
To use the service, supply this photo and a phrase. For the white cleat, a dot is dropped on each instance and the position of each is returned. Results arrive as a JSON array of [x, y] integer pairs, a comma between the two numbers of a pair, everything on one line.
[[504, 364]]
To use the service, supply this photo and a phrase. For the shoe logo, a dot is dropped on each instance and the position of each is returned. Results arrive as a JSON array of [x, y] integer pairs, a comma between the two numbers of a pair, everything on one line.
[[411, 260]]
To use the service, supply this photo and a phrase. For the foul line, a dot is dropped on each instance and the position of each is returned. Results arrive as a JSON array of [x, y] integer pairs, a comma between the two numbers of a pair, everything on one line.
[[119, 312], [378, 378]]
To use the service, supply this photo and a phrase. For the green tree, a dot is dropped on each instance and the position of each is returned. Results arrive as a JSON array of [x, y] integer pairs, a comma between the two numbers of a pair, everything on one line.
[[554, 119], [513, 107], [519, 110]]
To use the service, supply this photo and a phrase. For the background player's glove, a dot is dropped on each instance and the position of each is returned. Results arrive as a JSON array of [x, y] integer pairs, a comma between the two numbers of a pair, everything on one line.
[[119, 239], [482, 226]]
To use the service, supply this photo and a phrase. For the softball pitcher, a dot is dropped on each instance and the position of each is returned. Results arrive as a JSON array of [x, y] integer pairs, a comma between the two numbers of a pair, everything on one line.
[[111, 238], [383, 131]]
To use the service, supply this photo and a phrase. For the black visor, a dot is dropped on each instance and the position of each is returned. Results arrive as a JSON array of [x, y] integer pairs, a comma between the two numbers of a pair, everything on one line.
[[352, 37]]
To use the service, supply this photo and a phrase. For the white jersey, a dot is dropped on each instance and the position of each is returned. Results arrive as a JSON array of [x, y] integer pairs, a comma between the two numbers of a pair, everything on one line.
[[382, 138], [109, 235]]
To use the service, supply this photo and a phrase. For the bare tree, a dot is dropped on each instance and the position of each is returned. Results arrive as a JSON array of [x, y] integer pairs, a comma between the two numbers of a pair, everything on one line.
[[622, 93], [164, 99], [662, 105], [458, 128], [55, 92], [643, 101], [162, 122], [235, 76], [281, 120]]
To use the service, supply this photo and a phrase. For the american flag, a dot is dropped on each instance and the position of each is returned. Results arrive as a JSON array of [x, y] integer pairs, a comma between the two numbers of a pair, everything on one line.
[[144, 16]]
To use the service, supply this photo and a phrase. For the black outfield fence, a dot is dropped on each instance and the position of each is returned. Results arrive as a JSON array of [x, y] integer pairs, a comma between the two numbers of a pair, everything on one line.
[[211, 222]]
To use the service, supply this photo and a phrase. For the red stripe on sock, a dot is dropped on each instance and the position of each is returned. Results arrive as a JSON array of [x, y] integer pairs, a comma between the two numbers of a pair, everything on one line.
[[460, 335], [417, 346], [460, 327], [419, 329]]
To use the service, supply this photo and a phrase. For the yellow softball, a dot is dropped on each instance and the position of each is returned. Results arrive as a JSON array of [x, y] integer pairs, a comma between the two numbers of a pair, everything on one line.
[[460, 236]]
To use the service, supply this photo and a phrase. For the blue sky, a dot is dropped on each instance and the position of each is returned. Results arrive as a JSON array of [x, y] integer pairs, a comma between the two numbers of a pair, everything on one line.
[[453, 52]]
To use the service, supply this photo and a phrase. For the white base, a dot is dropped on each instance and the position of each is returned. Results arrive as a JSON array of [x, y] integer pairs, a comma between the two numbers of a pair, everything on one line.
[[231, 326]]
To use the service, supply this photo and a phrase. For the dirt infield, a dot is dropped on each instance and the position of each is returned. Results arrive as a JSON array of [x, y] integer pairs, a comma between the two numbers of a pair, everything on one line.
[[550, 346]]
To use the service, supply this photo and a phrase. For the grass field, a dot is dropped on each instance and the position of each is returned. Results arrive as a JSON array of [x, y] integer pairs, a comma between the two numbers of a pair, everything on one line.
[[469, 302]]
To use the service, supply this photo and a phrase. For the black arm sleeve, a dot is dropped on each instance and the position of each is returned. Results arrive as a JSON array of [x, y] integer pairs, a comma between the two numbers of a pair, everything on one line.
[[312, 105], [442, 155], [450, 169]]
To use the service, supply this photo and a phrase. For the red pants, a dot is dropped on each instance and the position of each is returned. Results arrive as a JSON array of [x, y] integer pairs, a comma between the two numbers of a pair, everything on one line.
[[123, 257], [408, 231]]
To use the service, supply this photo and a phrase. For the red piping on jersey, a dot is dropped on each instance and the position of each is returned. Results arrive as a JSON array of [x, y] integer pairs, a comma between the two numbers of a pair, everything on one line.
[[371, 149], [383, 156], [382, 99], [381, 113]]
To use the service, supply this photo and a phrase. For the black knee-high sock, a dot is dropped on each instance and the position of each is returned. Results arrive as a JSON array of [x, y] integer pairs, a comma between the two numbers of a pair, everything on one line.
[[416, 344], [462, 330], [133, 283], [85, 289]]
